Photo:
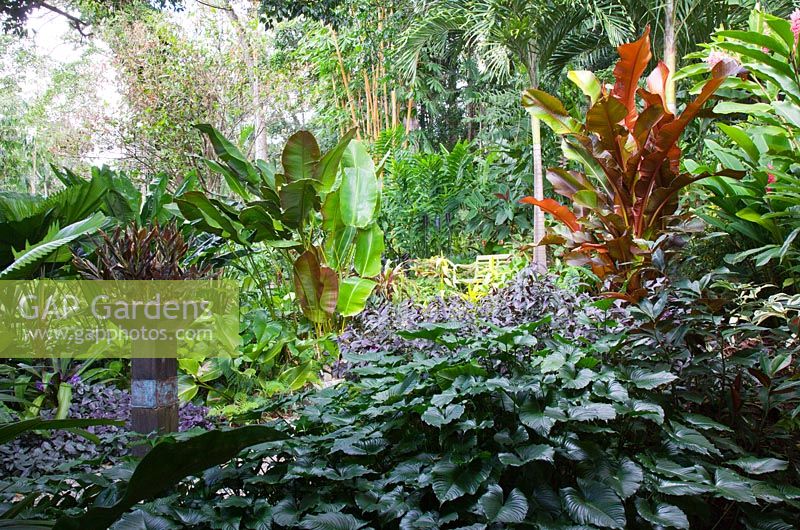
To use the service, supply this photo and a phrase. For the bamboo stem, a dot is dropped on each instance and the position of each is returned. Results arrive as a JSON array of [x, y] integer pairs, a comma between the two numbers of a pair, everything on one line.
[[346, 83]]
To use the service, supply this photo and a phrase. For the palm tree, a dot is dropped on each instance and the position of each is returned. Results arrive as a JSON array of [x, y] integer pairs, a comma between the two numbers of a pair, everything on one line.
[[540, 35]]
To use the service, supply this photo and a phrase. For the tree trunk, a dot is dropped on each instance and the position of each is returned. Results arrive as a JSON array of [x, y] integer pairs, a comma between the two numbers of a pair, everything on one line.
[[251, 56], [670, 52], [540, 252]]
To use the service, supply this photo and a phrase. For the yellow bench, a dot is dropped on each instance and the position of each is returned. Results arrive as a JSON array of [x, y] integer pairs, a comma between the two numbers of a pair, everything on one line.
[[482, 268]]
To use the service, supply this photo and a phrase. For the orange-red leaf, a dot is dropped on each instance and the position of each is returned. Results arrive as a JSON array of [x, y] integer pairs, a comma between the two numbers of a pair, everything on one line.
[[557, 210], [668, 134], [657, 82], [633, 59]]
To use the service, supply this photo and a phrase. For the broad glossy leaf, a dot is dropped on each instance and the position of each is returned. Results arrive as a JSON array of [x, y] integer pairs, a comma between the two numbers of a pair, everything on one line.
[[740, 137], [451, 481], [549, 110], [231, 179], [650, 380], [437, 417], [298, 199], [541, 421], [706, 423], [259, 220], [208, 216], [231, 155], [657, 82], [634, 57], [298, 376], [587, 82], [358, 195], [168, 463], [300, 156], [733, 107], [326, 170], [591, 412], [625, 477], [669, 134], [339, 247], [690, 439], [788, 111], [661, 514], [758, 466], [353, 295], [567, 183], [761, 40], [595, 504], [369, 249], [27, 261], [142, 520], [557, 210], [603, 118], [499, 510], [733, 487], [332, 521], [682, 487], [528, 453]]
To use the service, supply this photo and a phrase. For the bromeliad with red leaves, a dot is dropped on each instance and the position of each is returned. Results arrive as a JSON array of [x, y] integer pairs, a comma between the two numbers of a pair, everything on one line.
[[627, 192]]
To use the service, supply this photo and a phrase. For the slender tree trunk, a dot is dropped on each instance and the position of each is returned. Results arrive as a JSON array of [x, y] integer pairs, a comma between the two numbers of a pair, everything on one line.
[[346, 83], [540, 252], [250, 53], [670, 52], [32, 182]]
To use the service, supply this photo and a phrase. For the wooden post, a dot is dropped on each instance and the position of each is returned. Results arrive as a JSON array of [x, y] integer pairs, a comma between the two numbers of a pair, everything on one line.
[[154, 388]]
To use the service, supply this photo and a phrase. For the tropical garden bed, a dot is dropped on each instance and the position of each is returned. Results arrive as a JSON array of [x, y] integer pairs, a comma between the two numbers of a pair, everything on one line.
[[635, 368]]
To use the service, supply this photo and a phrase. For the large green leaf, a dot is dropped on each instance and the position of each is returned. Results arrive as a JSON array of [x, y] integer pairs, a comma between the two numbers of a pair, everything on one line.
[[733, 487], [759, 466], [451, 481], [142, 520], [595, 504], [691, 439], [358, 195], [587, 82], [9, 431], [761, 40], [661, 514], [210, 216], [231, 155], [339, 247], [369, 248], [332, 521], [539, 419], [168, 463], [256, 218], [298, 199], [650, 380], [549, 110], [300, 156], [353, 295], [32, 257], [526, 454], [437, 417], [231, 179], [497, 510], [740, 137], [328, 167]]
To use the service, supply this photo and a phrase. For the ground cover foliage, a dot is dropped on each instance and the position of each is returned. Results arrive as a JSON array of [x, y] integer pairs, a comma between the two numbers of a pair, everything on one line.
[[678, 419]]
